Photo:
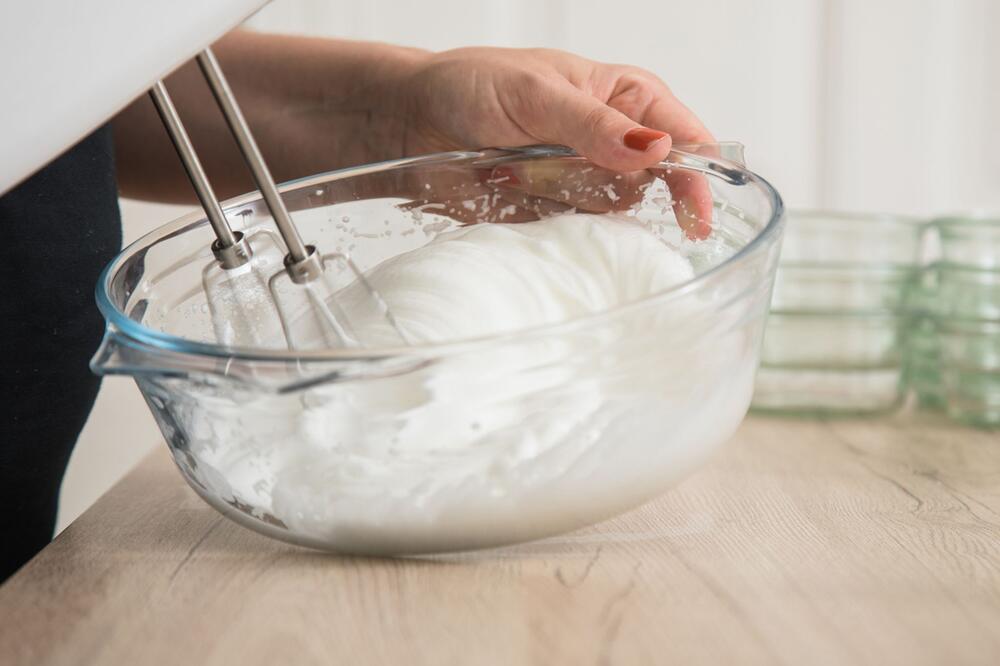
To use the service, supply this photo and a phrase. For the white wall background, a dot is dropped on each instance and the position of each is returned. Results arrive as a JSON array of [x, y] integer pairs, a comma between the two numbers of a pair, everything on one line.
[[879, 105]]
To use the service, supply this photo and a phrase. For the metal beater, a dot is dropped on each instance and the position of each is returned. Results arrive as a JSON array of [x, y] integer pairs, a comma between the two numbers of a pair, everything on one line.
[[243, 300]]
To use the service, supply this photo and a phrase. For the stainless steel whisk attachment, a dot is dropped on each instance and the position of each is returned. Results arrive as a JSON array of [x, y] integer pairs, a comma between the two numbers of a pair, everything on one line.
[[301, 295]]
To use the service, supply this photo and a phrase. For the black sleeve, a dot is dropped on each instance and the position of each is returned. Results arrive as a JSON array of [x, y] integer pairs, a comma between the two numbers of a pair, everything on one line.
[[59, 228]]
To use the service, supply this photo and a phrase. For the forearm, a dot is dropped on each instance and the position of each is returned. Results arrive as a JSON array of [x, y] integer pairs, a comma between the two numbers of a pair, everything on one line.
[[313, 105]]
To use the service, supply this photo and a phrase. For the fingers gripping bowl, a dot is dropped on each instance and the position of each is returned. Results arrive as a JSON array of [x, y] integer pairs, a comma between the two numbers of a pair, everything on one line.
[[487, 438]]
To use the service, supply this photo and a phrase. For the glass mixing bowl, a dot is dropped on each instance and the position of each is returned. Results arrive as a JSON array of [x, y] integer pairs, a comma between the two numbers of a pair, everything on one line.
[[469, 443]]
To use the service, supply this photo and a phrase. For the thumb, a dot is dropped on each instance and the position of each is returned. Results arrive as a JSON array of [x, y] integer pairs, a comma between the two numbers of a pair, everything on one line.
[[602, 134]]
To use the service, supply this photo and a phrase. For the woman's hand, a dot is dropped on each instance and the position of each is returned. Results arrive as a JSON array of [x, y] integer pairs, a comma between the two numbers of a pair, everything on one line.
[[622, 118], [320, 104]]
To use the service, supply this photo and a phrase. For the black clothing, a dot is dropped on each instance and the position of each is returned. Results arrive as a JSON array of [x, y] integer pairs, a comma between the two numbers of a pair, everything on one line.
[[59, 228]]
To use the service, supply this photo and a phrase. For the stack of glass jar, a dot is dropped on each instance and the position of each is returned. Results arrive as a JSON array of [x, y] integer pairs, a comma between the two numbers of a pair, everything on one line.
[[952, 346], [834, 340], [869, 308]]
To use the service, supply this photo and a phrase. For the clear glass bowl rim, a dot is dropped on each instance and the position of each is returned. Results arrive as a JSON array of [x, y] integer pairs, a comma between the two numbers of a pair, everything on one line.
[[138, 335]]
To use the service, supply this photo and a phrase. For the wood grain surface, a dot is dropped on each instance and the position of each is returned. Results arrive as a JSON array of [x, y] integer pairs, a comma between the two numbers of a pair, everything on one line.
[[804, 542]]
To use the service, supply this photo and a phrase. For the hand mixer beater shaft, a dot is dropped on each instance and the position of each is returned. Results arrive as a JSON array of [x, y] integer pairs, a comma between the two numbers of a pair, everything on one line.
[[302, 296], [303, 262], [230, 248]]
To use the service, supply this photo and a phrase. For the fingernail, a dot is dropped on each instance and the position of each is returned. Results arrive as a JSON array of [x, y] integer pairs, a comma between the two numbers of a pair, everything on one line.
[[504, 175], [641, 138]]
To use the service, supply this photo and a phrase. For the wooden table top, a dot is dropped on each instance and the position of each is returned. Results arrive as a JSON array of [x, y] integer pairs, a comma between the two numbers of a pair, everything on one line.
[[804, 542]]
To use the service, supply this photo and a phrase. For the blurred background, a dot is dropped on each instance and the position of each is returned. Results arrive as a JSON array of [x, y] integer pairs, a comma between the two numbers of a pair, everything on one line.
[[863, 105]]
